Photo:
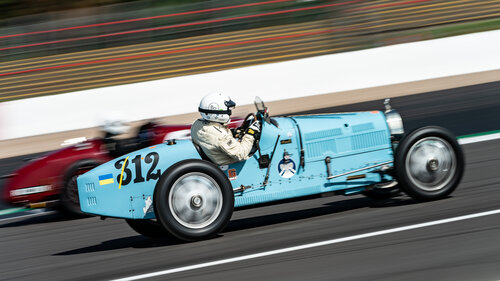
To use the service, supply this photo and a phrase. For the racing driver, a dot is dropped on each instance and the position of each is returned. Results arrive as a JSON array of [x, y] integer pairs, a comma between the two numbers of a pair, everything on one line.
[[215, 138]]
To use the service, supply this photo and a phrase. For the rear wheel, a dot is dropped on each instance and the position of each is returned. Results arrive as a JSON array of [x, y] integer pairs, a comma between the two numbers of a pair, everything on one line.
[[70, 200], [429, 163], [194, 200]]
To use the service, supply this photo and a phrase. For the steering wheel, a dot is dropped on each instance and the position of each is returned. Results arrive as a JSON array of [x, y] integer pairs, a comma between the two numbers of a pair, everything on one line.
[[240, 131], [248, 120]]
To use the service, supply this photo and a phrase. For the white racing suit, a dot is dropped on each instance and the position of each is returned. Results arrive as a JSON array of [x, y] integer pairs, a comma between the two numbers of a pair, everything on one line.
[[218, 142]]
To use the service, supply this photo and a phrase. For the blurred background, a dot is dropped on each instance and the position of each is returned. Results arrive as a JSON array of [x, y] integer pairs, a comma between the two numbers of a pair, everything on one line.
[[89, 44], [62, 63]]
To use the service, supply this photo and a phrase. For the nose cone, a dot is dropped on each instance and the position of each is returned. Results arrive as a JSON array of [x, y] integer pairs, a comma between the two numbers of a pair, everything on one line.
[[100, 194]]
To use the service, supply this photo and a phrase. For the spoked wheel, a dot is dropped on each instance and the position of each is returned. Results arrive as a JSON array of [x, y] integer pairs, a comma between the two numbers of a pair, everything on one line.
[[70, 200], [429, 163], [194, 200], [150, 228]]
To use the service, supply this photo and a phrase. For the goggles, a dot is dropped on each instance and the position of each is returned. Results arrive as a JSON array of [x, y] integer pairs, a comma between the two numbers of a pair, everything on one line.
[[228, 103]]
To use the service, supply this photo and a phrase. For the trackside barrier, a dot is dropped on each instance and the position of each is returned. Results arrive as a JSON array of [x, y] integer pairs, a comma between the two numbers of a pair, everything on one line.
[[276, 81]]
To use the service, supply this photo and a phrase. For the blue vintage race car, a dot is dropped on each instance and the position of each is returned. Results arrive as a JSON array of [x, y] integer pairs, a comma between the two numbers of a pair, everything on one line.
[[173, 188]]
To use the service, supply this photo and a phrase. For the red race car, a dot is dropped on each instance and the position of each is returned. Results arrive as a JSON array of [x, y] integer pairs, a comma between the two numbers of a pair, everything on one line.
[[51, 180]]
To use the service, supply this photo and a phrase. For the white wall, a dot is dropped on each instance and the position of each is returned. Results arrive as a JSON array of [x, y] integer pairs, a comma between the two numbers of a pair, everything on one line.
[[296, 78]]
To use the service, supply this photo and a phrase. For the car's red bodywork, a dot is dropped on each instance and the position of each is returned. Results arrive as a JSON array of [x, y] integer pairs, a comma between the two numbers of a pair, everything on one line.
[[49, 170]]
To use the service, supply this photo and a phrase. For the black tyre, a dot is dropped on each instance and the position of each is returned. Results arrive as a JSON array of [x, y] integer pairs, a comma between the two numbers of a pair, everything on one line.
[[382, 193], [194, 200], [429, 163], [149, 228], [70, 201]]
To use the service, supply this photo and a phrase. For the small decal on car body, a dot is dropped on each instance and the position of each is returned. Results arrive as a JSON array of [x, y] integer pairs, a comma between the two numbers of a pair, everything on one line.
[[286, 168], [30, 190], [232, 174], [106, 179], [148, 208]]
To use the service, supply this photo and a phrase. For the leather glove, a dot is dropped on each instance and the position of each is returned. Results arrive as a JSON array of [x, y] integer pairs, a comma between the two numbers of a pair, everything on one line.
[[254, 128], [238, 132]]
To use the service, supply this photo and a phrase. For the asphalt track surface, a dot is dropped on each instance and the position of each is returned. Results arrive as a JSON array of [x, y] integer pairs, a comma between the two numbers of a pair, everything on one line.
[[50, 247]]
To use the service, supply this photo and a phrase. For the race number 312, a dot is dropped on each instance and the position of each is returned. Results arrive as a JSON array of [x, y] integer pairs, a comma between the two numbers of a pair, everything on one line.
[[152, 174]]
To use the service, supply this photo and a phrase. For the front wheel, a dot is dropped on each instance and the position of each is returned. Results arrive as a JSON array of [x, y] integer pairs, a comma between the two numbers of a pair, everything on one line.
[[429, 163], [382, 193], [194, 200]]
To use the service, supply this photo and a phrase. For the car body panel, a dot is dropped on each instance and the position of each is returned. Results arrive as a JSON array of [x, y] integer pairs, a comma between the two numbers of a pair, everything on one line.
[[351, 140]]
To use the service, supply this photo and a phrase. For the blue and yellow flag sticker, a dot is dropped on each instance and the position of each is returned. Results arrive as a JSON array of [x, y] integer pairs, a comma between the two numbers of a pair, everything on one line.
[[106, 179]]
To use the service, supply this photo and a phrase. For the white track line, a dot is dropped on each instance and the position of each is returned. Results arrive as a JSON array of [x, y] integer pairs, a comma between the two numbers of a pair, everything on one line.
[[479, 138], [307, 246], [12, 211], [27, 216]]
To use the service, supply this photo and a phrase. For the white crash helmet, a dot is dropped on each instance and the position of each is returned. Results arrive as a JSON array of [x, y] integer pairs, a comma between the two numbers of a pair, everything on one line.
[[216, 107], [114, 124]]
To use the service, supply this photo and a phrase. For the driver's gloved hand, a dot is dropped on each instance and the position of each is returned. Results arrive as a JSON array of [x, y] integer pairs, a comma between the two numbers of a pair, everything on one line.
[[254, 128]]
